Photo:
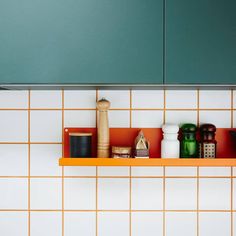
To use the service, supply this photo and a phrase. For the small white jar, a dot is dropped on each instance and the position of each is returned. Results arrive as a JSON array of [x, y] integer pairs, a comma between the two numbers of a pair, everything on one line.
[[170, 145]]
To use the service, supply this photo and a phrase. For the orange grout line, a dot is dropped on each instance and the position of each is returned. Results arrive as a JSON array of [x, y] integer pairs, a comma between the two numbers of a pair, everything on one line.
[[231, 203], [62, 180], [28, 177], [96, 201], [198, 106], [232, 106], [164, 108], [164, 201], [130, 201], [198, 201], [131, 105]]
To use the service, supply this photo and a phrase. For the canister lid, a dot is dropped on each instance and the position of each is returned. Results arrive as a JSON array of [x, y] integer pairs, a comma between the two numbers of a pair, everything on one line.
[[189, 127], [170, 128], [207, 128], [80, 134], [121, 150]]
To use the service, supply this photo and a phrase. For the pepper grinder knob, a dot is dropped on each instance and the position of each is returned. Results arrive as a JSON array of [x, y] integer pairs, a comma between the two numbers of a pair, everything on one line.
[[103, 142]]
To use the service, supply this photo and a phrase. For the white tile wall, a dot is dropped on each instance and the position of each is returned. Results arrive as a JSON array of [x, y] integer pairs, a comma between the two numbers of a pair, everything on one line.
[[113, 223], [80, 223], [181, 194], [147, 223], [141, 199], [13, 223], [14, 126], [181, 99], [45, 194], [181, 223], [214, 194], [14, 193], [152, 99], [80, 193], [215, 99], [111, 189], [45, 223], [45, 126], [217, 224], [13, 159], [45, 99], [113, 194]]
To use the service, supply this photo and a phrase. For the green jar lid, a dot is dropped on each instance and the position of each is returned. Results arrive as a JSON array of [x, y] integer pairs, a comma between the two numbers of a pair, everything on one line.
[[189, 127]]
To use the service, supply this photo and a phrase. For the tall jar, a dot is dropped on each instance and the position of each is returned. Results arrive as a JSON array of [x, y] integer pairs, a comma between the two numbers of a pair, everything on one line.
[[170, 143], [188, 144]]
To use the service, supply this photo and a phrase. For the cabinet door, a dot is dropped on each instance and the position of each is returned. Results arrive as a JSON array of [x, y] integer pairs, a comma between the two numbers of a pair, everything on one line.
[[81, 41], [200, 42]]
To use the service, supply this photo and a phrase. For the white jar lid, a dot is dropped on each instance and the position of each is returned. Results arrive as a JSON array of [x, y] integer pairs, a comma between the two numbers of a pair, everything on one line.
[[170, 128]]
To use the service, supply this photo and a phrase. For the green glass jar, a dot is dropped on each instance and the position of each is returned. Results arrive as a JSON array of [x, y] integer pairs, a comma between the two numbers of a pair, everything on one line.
[[188, 144]]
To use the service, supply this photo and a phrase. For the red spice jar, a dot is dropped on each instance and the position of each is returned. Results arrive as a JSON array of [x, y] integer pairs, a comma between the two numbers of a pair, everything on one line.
[[207, 146]]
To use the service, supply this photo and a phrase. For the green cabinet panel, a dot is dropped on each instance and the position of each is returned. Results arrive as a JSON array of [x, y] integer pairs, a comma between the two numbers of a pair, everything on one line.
[[200, 42], [81, 41]]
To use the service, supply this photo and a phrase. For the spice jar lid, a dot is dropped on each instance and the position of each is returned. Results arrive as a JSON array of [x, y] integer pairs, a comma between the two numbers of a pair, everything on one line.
[[121, 150], [80, 134], [170, 128], [207, 128], [189, 127]]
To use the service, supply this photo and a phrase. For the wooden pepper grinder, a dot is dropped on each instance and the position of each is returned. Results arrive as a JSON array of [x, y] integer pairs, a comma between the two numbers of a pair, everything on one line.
[[103, 128]]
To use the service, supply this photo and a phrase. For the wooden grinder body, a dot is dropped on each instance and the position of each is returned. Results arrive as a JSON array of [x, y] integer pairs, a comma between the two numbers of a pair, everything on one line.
[[103, 142]]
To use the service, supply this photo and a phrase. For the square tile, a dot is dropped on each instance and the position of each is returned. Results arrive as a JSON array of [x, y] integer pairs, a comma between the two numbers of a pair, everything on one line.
[[234, 171], [214, 194], [118, 98], [214, 223], [147, 223], [14, 193], [210, 99], [234, 193], [46, 99], [80, 193], [45, 223], [119, 119], [83, 223], [113, 171], [113, 194], [14, 159], [181, 117], [181, 222], [13, 223], [221, 119], [14, 99], [215, 171], [14, 126], [147, 171], [181, 194], [79, 99], [80, 119], [152, 99], [234, 223], [113, 223], [147, 119], [181, 99], [181, 171], [44, 159], [147, 194], [80, 171], [46, 126], [45, 194]]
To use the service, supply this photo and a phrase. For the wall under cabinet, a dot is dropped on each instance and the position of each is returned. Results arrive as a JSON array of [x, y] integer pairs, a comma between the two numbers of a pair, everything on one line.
[[40, 198]]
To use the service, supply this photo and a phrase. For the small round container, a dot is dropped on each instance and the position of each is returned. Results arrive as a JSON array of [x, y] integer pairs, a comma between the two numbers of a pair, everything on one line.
[[121, 152], [80, 144]]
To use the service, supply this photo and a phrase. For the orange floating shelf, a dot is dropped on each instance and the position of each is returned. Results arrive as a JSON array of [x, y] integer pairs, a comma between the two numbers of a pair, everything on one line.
[[146, 162]]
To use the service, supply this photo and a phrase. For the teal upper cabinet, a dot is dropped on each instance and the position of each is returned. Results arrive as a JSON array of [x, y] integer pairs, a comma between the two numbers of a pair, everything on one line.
[[81, 41], [200, 42]]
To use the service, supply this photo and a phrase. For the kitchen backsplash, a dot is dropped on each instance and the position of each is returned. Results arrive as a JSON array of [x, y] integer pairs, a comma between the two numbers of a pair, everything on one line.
[[37, 197]]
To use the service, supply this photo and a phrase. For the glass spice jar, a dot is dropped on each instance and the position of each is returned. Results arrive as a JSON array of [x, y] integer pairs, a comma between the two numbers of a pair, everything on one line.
[[189, 145], [207, 147]]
